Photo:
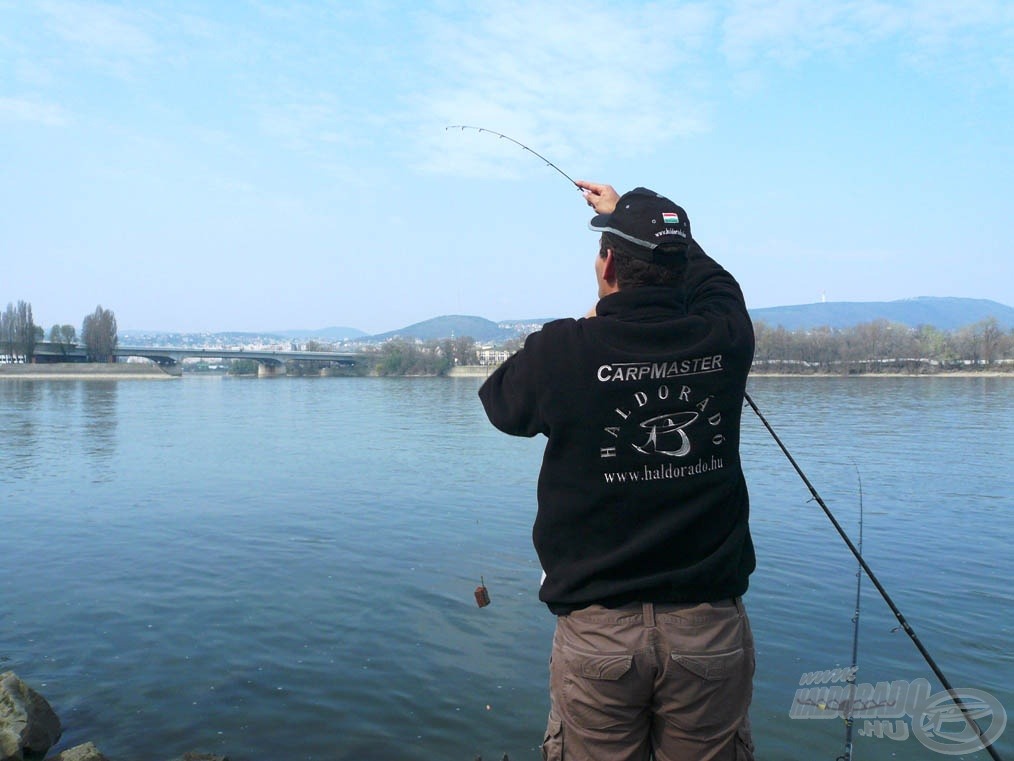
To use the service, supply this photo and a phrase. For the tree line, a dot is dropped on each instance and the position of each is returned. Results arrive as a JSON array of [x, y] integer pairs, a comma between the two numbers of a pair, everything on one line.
[[19, 334], [882, 345], [877, 346]]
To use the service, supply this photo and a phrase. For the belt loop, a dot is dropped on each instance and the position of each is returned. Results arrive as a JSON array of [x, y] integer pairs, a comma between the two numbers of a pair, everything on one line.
[[739, 605], [648, 613]]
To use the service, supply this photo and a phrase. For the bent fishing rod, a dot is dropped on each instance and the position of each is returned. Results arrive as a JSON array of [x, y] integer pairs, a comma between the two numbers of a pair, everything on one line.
[[549, 163], [965, 712]]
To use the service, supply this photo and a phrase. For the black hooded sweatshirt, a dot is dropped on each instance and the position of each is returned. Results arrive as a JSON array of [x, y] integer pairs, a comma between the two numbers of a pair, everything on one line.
[[641, 494]]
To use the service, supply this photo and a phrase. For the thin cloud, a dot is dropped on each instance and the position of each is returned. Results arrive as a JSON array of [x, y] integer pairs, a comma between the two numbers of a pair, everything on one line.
[[965, 38], [33, 110], [101, 28], [571, 77], [301, 125]]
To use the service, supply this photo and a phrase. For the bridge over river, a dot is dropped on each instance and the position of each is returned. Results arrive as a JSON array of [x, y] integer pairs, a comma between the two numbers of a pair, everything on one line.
[[270, 361]]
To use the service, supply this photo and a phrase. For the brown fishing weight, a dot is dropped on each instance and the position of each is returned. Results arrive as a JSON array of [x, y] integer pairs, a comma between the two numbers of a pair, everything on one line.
[[481, 594]]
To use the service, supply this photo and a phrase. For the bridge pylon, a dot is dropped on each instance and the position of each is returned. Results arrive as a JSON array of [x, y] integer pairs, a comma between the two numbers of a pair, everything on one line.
[[270, 369]]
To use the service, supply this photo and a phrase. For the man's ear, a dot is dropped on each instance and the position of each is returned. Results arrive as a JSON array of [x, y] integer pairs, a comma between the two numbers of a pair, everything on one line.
[[609, 268]]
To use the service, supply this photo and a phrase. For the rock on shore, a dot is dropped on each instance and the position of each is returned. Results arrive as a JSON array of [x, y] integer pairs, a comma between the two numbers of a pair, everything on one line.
[[29, 727], [86, 752]]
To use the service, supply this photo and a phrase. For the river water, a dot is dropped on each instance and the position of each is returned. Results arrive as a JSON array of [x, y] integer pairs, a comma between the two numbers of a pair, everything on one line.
[[284, 568]]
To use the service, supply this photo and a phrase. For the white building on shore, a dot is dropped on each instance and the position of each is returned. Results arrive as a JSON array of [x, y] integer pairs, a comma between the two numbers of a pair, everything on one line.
[[490, 356]]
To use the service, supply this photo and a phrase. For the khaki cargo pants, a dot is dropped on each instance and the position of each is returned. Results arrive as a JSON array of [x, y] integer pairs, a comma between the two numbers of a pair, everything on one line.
[[669, 682]]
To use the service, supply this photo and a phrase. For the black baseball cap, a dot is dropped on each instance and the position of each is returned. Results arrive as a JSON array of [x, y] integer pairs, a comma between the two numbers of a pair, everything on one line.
[[658, 228]]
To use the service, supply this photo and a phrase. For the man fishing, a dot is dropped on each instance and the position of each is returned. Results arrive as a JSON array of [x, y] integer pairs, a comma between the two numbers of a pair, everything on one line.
[[642, 524]]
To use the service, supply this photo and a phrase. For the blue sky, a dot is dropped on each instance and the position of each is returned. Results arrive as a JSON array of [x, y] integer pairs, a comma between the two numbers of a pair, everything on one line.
[[257, 165]]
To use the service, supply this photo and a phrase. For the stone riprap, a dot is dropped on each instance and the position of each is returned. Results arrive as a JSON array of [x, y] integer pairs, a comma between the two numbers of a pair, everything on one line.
[[29, 727]]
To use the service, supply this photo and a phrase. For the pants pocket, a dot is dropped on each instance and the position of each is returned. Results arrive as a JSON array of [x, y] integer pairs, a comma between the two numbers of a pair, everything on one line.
[[712, 666], [596, 694], [552, 743], [708, 693]]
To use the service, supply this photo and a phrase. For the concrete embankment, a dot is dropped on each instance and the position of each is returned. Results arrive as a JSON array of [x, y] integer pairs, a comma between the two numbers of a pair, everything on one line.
[[88, 371], [470, 371]]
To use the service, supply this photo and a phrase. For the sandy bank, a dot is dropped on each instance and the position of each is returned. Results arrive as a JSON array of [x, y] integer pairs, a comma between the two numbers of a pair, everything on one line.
[[86, 371]]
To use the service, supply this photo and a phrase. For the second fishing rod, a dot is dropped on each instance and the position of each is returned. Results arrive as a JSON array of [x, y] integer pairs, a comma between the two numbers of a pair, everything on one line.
[[965, 711]]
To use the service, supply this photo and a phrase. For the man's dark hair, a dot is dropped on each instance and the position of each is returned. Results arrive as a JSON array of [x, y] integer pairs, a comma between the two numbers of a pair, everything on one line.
[[632, 272]]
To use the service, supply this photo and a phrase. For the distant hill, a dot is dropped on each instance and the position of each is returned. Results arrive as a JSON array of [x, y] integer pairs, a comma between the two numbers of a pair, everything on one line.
[[940, 312], [447, 326], [328, 334]]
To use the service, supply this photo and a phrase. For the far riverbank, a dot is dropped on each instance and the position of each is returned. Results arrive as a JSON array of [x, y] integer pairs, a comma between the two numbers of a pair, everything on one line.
[[139, 371]]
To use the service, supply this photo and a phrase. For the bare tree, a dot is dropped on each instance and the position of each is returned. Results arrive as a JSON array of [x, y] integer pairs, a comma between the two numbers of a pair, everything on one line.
[[7, 320], [98, 333], [26, 326], [992, 339], [464, 351], [935, 345], [18, 332]]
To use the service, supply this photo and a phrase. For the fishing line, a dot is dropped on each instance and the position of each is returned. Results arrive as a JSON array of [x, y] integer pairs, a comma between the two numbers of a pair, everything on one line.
[[463, 127], [847, 755], [481, 592], [966, 714]]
